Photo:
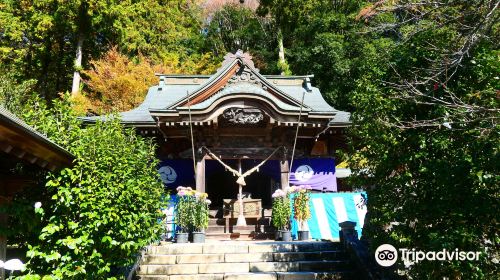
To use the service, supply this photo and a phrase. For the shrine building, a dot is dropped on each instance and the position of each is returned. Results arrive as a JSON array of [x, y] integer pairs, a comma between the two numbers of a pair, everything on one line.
[[237, 118]]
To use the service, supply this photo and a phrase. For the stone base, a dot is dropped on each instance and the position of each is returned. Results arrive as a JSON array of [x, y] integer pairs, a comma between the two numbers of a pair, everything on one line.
[[243, 229]]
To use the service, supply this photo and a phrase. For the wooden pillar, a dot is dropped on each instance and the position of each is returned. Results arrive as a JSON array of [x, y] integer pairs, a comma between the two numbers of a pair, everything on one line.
[[200, 174], [284, 170], [241, 217]]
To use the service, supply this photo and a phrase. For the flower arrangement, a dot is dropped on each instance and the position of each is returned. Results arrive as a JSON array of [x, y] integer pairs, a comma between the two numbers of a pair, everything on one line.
[[183, 213], [201, 213], [301, 208], [281, 210], [192, 210]]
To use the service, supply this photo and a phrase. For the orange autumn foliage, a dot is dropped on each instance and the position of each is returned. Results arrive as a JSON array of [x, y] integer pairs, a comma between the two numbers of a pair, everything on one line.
[[115, 83]]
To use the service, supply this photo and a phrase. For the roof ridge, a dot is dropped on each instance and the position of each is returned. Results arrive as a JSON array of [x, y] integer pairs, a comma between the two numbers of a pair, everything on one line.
[[222, 71]]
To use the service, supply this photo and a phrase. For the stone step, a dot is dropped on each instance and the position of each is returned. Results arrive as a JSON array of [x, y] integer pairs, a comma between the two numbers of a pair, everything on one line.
[[340, 275], [330, 265], [243, 229], [244, 247], [221, 236], [246, 260], [250, 276], [239, 236], [299, 266], [256, 275], [215, 229], [243, 267], [249, 221], [286, 256], [262, 223], [160, 269], [309, 256], [244, 257], [216, 222], [183, 259], [224, 268]]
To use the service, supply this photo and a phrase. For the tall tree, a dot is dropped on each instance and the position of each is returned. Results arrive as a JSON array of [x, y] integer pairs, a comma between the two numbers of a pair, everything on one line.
[[41, 37], [323, 38], [234, 27], [52, 41], [426, 133]]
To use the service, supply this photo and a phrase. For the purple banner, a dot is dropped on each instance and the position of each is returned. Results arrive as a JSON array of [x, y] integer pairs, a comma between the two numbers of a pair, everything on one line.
[[176, 172], [319, 173]]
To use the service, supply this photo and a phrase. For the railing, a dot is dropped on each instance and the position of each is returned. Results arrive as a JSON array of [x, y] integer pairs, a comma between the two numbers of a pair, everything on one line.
[[357, 250], [362, 258]]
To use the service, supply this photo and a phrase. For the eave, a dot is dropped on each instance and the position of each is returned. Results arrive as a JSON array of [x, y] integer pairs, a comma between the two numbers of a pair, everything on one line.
[[20, 140]]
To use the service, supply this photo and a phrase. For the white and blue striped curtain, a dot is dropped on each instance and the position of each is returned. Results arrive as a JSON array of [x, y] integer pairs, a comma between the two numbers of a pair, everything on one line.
[[330, 209]]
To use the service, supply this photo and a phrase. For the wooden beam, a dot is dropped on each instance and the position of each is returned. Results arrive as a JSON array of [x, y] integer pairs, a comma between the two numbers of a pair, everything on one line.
[[284, 170], [200, 97], [200, 174], [5, 147], [18, 141], [43, 163]]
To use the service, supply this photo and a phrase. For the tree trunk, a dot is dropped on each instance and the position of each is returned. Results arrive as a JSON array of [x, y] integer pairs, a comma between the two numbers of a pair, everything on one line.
[[281, 53], [78, 65]]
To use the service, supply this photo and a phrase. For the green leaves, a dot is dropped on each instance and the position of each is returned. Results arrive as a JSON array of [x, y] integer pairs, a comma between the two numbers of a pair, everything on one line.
[[104, 209], [192, 212], [426, 182], [282, 212]]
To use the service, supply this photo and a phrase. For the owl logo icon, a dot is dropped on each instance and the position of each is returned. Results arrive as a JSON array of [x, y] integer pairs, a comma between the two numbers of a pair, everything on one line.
[[167, 174], [304, 173], [386, 255]]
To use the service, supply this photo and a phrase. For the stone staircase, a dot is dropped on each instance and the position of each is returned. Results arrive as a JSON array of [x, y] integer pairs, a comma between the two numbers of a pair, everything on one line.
[[256, 229], [239, 260]]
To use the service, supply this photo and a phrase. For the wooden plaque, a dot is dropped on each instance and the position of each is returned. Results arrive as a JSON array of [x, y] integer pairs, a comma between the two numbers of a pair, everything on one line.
[[252, 208]]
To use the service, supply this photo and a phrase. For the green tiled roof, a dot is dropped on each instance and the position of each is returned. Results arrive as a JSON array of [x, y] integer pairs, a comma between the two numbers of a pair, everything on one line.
[[165, 96]]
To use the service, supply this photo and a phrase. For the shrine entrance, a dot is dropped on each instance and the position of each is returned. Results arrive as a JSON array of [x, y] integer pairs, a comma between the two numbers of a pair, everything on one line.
[[279, 128], [221, 184]]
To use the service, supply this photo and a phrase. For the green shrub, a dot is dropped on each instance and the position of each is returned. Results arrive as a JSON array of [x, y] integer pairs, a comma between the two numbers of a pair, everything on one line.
[[201, 213], [281, 210], [105, 208], [192, 210], [183, 211]]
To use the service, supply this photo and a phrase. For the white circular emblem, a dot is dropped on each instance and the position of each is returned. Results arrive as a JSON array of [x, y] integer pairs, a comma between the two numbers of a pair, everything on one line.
[[386, 255], [304, 173], [167, 174]]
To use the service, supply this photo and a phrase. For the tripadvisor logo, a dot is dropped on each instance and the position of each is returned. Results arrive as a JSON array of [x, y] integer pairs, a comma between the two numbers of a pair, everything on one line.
[[387, 255]]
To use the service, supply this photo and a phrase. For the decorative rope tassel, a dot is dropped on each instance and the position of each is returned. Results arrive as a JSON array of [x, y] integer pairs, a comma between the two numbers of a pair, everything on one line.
[[241, 177], [241, 181]]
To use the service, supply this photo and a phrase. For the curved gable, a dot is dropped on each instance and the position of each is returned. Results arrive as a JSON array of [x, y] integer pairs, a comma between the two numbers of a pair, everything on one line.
[[235, 71], [237, 80]]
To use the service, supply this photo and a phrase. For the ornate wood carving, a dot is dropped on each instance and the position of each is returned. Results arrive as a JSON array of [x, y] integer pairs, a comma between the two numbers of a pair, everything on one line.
[[228, 58], [243, 116], [244, 75]]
